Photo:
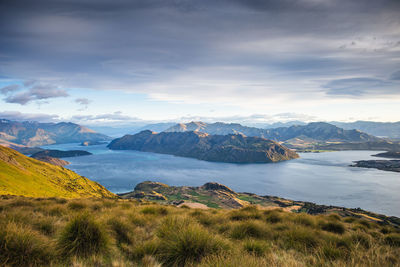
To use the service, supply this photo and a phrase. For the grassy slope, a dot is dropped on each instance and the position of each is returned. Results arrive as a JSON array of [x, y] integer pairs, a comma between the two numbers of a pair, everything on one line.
[[21, 175], [99, 232]]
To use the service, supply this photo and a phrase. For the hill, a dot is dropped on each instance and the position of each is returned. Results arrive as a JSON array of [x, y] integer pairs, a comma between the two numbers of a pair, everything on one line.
[[37, 134], [317, 131], [21, 175], [218, 148]]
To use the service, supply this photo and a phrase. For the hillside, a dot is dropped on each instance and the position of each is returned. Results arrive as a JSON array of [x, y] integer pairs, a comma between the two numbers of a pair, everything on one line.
[[99, 232], [38, 134], [317, 131], [21, 175], [215, 195], [382, 129], [218, 148]]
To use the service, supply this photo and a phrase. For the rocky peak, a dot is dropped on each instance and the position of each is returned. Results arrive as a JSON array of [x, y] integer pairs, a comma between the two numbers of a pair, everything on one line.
[[216, 186]]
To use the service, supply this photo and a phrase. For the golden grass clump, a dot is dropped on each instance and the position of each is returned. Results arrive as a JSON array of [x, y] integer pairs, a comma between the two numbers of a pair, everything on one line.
[[83, 237]]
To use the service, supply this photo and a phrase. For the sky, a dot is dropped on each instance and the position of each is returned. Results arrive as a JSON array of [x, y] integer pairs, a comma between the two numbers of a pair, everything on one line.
[[104, 62]]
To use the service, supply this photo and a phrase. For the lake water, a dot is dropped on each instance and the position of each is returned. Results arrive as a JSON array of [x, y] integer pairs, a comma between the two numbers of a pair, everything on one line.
[[323, 178]]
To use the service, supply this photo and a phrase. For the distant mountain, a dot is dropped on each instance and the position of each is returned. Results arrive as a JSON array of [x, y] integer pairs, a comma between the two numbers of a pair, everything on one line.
[[156, 127], [21, 175], [37, 134], [319, 131], [219, 148], [381, 129]]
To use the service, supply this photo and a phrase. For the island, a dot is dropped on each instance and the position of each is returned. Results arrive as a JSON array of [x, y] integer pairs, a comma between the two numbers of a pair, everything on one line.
[[232, 148], [385, 165], [389, 154], [60, 153]]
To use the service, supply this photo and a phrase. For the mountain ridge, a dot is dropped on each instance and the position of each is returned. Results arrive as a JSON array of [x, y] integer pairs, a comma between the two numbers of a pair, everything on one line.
[[203, 146], [32, 133], [319, 131]]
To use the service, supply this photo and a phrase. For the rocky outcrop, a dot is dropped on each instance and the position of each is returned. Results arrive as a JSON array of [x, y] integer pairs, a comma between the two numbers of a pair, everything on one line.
[[217, 186], [218, 148]]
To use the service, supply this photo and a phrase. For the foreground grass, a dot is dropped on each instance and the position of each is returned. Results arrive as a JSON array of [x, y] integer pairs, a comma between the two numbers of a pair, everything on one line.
[[95, 232]]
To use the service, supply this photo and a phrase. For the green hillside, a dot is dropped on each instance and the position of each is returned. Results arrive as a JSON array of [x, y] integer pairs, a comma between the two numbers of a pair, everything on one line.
[[21, 175]]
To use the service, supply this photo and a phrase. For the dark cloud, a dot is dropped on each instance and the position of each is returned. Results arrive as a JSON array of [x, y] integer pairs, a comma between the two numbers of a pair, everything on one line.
[[24, 95], [10, 88], [359, 87], [18, 116], [198, 49], [395, 75]]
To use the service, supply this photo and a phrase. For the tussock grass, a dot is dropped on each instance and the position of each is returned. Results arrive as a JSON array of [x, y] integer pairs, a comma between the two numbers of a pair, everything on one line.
[[393, 239], [83, 237], [20, 246], [92, 232], [188, 244], [334, 227], [256, 247], [248, 229]]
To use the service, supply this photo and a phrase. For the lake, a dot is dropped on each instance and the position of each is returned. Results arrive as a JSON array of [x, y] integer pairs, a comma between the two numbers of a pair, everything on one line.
[[323, 178]]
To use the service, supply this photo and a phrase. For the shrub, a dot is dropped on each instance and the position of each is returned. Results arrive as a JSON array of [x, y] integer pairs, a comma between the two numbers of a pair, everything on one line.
[[256, 247], [248, 229], [82, 237], [188, 244], [393, 240], [20, 246], [333, 227]]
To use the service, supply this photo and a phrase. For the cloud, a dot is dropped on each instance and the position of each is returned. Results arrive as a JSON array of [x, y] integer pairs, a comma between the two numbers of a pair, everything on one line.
[[203, 51], [23, 95], [106, 118], [252, 119], [361, 86], [395, 75], [9, 89], [84, 102], [18, 116]]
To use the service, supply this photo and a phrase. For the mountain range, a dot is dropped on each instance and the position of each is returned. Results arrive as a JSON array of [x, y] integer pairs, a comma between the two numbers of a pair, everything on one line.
[[381, 129], [316, 131], [27, 133], [219, 148]]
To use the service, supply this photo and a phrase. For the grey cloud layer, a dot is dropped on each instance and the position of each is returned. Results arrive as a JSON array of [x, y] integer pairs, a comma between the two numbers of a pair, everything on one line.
[[206, 50], [31, 92]]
